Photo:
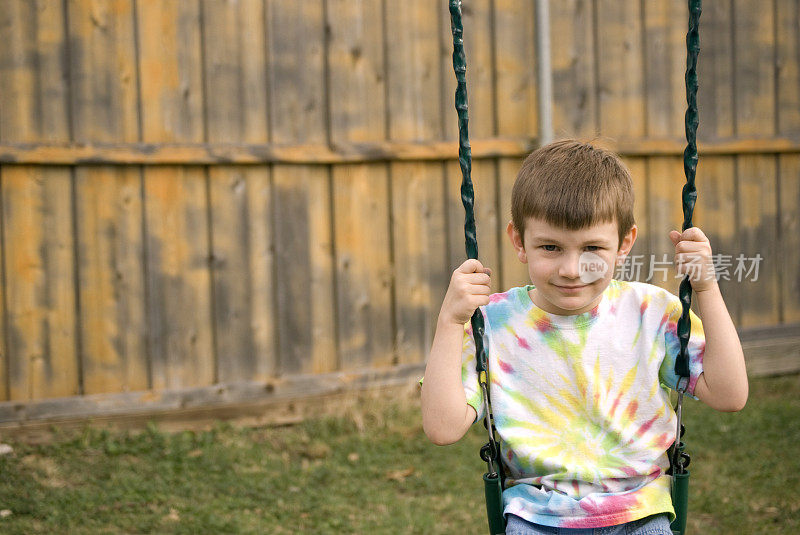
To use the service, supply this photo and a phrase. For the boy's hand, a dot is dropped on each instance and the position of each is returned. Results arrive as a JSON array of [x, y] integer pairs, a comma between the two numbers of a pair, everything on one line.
[[469, 288], [693, 258]]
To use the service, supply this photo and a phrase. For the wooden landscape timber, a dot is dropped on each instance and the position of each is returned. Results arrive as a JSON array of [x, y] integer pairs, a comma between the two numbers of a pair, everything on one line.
[[275, 402]]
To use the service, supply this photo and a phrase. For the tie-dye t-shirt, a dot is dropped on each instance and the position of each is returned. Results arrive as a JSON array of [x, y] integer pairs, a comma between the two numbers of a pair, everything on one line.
[[581, 405]]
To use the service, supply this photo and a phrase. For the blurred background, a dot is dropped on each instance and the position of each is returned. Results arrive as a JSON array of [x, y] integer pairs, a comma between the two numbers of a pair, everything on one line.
[[236, 205]]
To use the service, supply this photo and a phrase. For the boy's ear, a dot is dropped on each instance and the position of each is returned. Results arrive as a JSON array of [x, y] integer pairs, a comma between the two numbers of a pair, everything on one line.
[[516, 242], [627, 242]]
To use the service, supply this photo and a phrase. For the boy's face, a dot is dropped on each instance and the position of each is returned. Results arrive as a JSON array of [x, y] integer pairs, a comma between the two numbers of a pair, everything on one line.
[[569, 268]]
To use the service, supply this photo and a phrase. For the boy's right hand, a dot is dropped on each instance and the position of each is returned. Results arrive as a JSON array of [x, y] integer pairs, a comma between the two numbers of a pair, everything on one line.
[[470, 287]]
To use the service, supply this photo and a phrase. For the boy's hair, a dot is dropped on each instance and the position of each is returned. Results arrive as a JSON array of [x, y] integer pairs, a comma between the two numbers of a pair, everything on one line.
[[573, 185]]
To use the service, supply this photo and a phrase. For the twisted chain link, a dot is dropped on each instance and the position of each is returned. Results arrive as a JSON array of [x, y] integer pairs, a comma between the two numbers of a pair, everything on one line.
[[491, 452], [465, 161], [689, 194]]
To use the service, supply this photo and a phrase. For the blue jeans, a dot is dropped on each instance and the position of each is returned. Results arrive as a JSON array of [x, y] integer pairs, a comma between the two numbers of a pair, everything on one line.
[[651, 525]]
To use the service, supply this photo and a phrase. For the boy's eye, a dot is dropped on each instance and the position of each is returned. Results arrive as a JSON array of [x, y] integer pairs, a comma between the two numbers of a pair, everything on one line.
[[553, 248]]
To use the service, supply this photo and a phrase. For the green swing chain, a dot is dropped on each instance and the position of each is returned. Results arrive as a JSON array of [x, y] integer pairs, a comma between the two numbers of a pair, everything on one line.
[[689, 169], [689, 196], [490, 453], [468, 200]]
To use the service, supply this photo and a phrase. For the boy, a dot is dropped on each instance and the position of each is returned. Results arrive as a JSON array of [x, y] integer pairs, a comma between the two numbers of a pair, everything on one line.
[[577, 360]]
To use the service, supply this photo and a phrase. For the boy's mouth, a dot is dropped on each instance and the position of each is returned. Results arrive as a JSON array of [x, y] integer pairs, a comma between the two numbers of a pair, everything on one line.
[[570, 288]]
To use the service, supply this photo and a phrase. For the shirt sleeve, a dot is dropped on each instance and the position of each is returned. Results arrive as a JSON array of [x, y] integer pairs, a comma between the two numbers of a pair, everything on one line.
[[469, 375], [696, 348]]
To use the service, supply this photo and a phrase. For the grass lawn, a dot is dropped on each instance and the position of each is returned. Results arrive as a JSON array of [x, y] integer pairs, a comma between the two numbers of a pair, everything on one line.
[[372, 471]]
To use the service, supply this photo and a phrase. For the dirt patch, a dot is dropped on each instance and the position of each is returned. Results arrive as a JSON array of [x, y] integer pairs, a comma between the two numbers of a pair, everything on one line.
[[45, 471]]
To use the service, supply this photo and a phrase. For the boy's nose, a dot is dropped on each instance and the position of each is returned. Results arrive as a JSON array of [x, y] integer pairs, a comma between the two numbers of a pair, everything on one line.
[[570, 268]]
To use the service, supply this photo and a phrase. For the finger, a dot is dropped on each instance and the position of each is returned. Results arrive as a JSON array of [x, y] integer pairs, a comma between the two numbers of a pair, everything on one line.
[[698, 247], [689, 256], [693, 234], [688, 246], [674, 236], [478, 278], [480, 289], [471, 265], [482, 300]]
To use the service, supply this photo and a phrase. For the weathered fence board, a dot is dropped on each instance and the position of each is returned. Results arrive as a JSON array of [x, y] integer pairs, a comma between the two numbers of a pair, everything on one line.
[[357, 72], [304, 270], [303, 217], [789, 232], [178, 282], [38, 239], [715, 67], [758, 224], [754, 70], [33, 63], [113, 327], [787, 59], [417, 189], [363, 267], [179, 312], [664, 213], [360, 192], [40, 283], [754, 111], [664, 45], [787, 64], [512, 273], [4, 332], [241, 201], [620, 78], [102, 71], [638, 168], [420, 255], [515, 68], [715, 214], [235, 73], [572, 31], [104, 107]]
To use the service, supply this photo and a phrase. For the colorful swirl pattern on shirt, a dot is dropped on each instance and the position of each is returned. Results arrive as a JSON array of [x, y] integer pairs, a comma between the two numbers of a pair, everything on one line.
[[581, 403]]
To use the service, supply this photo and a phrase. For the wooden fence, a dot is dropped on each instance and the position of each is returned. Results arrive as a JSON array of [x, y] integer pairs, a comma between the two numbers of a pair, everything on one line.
[[205, 202]]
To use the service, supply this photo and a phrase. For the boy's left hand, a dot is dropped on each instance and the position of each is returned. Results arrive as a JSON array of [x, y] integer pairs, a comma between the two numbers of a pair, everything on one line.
[[693, 258]]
